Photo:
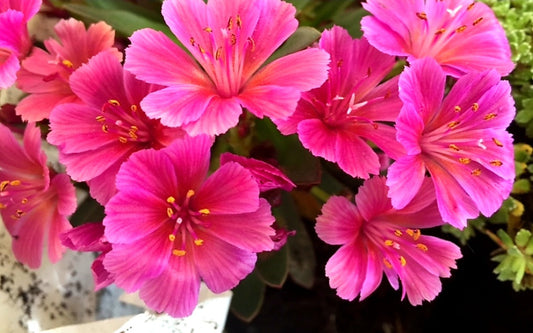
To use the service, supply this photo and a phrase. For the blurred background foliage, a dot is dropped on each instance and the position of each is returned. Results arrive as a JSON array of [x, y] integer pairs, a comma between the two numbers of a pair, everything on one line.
[[293, 277]]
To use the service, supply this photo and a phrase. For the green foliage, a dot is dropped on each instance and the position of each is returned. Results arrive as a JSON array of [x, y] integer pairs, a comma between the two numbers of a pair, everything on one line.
[[517, 262], [516, 17]]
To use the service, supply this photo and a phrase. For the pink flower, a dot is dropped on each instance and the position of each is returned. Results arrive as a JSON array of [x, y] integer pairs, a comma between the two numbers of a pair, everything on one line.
[[171, 226], [336, 120], [34, 202], [229, 42], [45, 74], [96, 137], [268, 177], [377, 239], [460, 140], [15, 40], [461, 35], [89, 237]]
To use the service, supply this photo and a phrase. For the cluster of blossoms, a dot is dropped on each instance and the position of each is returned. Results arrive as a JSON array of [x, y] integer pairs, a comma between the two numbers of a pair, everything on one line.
[[138, 129]]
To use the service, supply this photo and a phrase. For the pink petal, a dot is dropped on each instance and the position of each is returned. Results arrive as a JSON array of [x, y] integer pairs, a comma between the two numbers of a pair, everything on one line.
[[355, 156], [404, 179], [259, 100], [167, 64], [255, 225], [102, 187], [318, 138], [229, 190], [36, 107], [86, 237], [28, 7], [9, 66], [178, 105], [370, 198], [28, 237], [175, 291], [339, 221], [220, 115], [136, 263], [101, 276], [221, 265]]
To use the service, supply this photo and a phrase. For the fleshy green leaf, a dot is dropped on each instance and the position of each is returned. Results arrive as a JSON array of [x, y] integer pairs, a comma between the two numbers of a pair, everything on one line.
[[299, 40], [273, 268], [522, 237], [248, 298]]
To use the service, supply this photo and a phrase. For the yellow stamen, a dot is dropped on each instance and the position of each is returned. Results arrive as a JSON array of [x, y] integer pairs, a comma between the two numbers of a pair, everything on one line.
[[171, 199], [191, 40], [122, 139], [389, 242], [208, 29], [14, 182], [189, 194], [413, 233], [422, 16], [454, 147], [460, 29], [398, 233], [465, 160], [24, 201], [475, 107], [476, 172], [105, 128], [496, 163], [470, 6], [171, 237], [170, 212], [239, 21], [100, 118], [218, 53], [490, 116], [230, 23], [403, 261], [440, 31], [453, 124], [3, 185], [179, 253], [457, 108], [497, 142], [477, 21], [2, 206], [251, 42], [198, 242], [134, 108], [67, 63], [387, 263], [114, 102], [204, 211], [422, 247]]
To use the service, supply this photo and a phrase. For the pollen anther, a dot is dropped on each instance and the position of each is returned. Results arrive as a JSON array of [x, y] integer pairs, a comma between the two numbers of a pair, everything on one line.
[[454, 147], [179, 253], [403, 261], [113, 102], [457, 108], [3, 185], [67, 63], [465, 160], [387, 263], [497, 142], [198, 242], [475, 107], [189, 194], [496, 163], [14, 182], [461, 28], [170, 212], [489, 116], [171, 199], [204, 211], [422, 16], [398, 233], [440, 31], [171, 237], [477, 21], [476, 172], [122, 139], [422, 247], [453, 124]]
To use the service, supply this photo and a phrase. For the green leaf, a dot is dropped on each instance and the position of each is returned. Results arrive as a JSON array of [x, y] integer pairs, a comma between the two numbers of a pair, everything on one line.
[[302, 261], [124, 22], [88, 211], [521, 186], [273, 267], [505, 238], [299, 4], [350, 20], [300, 165], [299, 40], [248, 298], [522, 237]]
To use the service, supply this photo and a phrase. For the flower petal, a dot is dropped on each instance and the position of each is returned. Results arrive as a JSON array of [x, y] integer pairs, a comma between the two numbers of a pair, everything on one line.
[[339, 221]]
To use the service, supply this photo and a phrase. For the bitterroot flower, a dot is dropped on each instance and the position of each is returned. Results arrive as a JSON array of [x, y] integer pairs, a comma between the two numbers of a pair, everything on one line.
[[376, 238], [172, 226], [229, 42]]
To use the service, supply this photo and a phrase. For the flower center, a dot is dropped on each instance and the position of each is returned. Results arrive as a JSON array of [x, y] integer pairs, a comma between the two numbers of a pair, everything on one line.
[[186, 220], [395, 247], [126, 124]]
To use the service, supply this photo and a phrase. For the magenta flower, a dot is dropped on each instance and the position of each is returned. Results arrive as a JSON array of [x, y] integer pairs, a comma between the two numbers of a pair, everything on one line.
[[229, 42], [34, 202], [377, 239], [89, 237], [15, 40], [171, 227], [461, 35], [460, 140], [109, 127], [336, 120], [45, 74], [268, 177]]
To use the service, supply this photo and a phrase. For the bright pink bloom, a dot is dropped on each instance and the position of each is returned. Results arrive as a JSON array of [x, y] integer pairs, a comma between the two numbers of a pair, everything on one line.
[[268, 177], [229, 42], [89, 237], [377, 239], [462, 35], [15, 40], [171, 227], [34, 202], [96, 137], [461, 141], [336, 120], [45, 75]]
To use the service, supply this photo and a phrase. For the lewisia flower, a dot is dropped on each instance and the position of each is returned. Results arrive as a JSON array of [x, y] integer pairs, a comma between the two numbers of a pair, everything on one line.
[[460, 140], [96, 137], [229, 41], [171, 227], [377, 239], [34, 202], [462, 35], [45, 74], [15, 40], [336, 120], [89, 237]]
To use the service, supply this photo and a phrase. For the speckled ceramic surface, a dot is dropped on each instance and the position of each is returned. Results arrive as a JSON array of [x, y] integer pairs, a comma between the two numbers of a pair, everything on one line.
[[52, 296]]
